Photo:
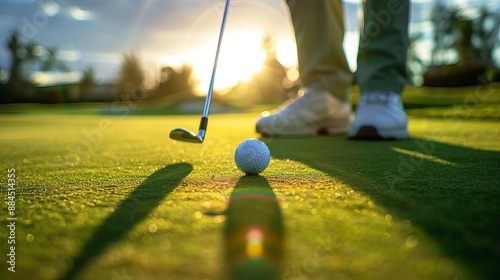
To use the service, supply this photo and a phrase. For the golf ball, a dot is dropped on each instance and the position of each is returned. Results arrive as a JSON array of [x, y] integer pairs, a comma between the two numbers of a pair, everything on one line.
[[252, 156]]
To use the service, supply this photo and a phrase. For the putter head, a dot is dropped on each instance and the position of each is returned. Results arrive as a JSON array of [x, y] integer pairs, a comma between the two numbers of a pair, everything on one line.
[[184, 135]]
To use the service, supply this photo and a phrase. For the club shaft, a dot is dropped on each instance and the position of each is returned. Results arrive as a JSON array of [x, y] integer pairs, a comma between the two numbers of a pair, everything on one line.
[[206, 109]]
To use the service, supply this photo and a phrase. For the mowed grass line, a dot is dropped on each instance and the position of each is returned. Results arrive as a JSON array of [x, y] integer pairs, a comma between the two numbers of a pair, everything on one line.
[[425, 208]]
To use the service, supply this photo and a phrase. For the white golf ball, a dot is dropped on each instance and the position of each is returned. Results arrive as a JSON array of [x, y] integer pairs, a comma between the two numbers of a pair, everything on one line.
[[252, 156]]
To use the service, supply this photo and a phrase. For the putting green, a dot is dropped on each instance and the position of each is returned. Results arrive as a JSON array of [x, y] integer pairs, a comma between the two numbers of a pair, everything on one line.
[[111, 197]]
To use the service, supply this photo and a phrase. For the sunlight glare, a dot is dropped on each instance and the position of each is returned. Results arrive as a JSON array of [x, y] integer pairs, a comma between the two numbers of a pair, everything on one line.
[[241, 56], [286, 52]]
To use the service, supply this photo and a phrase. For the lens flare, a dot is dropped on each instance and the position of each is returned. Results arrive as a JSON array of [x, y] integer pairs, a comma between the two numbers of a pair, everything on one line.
[[254, 248]]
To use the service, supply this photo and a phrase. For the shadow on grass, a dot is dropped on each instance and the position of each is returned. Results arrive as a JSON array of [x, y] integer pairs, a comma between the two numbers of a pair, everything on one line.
[[253, 231], [450, 192], [144, 199]]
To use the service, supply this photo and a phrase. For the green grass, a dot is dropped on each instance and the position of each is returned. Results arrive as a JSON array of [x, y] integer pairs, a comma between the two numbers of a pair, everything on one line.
[[111, 197]]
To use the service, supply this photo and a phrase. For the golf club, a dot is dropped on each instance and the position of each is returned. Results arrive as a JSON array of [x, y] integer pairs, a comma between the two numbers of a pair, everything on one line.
[[181, 134]]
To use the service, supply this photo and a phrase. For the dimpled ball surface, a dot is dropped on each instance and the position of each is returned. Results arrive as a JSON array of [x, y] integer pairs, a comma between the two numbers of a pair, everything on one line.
[[252, 156]]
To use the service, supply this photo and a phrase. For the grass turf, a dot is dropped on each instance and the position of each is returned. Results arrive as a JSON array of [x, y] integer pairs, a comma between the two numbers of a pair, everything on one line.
[[111, 197]]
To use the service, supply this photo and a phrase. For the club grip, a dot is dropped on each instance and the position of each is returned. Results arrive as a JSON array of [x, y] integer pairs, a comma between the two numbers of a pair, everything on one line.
[[203, 123]]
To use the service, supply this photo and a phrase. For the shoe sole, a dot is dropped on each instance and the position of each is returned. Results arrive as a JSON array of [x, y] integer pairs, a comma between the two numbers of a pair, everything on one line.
[[329, 127], [372, 133]]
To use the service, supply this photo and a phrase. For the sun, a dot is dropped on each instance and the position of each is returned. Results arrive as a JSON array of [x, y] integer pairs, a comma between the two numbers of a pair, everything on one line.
[[241, 56]]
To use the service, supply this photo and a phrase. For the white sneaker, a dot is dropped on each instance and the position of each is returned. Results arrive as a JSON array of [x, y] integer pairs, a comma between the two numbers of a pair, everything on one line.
[[379, 115], [311, 112]]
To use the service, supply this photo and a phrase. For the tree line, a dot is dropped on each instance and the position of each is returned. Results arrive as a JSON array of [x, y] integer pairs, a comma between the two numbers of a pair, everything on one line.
[[464, 51]]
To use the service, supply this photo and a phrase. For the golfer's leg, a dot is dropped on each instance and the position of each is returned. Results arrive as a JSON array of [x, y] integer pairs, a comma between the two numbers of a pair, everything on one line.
[[324, 107], [319, 32], [383, 46], [381, 71]]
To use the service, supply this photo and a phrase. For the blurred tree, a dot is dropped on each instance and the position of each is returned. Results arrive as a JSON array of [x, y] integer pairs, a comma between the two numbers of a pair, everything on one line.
[[87, 81], [3, 86], [267, 84], [53, 63], [416, 66], [173, 82], [32, 51], [131, 74], [463, 46], [485, 40], [15, 84]]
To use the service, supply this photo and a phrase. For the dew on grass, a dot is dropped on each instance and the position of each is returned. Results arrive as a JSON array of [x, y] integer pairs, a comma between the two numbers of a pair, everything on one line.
[[219, 219], [198, 215], [407, 223], [30, 237], [165, 244], [411, 241], [152, 228], [388, 218], [206, 204]]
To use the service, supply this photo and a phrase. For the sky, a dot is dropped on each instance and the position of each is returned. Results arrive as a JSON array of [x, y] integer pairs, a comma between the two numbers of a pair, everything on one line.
[[96, 33]]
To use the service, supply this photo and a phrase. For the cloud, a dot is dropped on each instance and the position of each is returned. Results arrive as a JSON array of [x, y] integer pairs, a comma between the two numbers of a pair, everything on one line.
[[51, 8], [79, 14]]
